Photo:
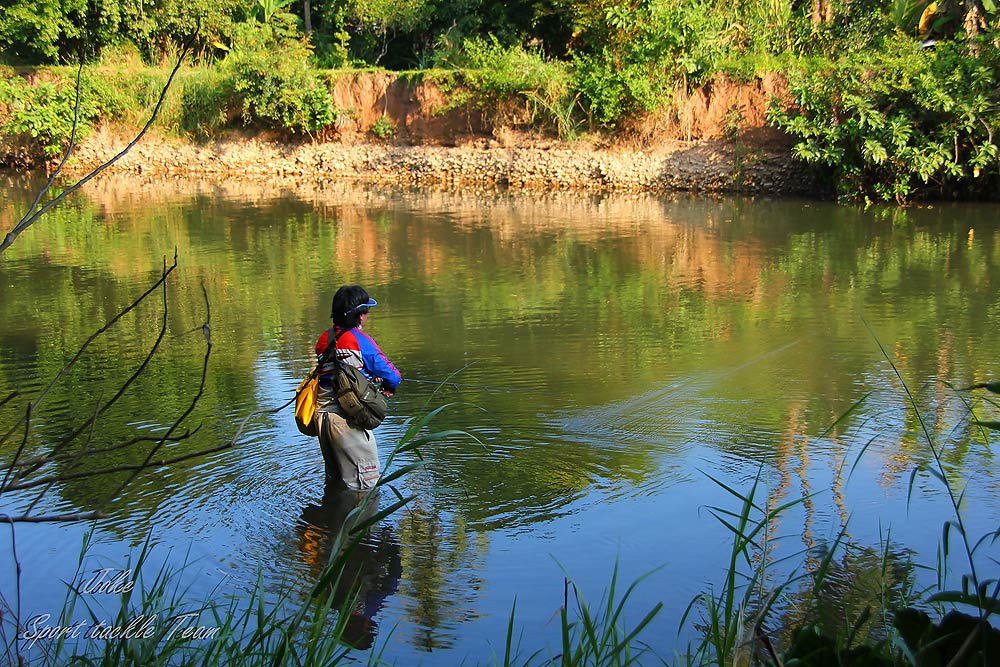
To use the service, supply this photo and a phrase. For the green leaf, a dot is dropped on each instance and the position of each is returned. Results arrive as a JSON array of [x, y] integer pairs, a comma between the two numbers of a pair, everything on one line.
[[960, 597], [874, 151]]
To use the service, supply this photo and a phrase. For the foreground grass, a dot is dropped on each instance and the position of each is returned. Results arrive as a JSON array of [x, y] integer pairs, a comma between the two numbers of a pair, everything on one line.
[[745, 620]]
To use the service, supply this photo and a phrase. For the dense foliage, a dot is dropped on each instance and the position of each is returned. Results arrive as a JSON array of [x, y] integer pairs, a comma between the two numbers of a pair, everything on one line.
[[892, 99], [902, 122], [277, 89]]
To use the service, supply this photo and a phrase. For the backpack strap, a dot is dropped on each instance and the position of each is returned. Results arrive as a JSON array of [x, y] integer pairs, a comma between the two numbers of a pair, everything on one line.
[[330, 351]]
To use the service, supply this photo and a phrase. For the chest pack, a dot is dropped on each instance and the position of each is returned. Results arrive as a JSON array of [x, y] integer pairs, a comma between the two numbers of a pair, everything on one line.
[[362, 402]]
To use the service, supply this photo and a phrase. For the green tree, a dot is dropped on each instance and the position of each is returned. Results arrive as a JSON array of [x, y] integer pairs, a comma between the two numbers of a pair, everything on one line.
[[52, 31], [629, 56], [164, 24], [277, 88], [42, 30], [366, 30]]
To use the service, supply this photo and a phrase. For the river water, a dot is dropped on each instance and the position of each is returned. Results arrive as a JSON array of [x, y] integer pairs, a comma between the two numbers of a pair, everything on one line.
[[620, 360]]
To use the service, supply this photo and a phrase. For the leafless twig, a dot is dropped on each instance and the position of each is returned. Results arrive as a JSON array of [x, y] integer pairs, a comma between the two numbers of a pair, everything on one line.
[[47, 459], [207, 327], [17, 601], [28, 473], [66, 154], [25, 421], [23, 473], [34, 213]]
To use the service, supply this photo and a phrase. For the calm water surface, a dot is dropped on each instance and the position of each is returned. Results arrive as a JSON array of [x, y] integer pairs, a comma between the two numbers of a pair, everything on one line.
[[613, 354]]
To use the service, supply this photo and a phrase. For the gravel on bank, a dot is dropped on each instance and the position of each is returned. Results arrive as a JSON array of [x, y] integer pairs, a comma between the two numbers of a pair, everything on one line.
[[707, 166]]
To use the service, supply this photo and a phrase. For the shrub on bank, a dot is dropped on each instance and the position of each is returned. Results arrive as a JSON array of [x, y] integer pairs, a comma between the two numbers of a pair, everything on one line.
[[277, 89], [637, 61], [208, 104], [907, 122], [36, 121], [516, 86], [273, 89]]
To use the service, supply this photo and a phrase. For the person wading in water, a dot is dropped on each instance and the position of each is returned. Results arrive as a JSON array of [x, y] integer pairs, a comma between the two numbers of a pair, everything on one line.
[[350, 453]]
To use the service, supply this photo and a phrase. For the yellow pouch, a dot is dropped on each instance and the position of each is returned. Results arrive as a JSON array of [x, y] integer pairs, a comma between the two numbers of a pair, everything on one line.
[[305, 405]]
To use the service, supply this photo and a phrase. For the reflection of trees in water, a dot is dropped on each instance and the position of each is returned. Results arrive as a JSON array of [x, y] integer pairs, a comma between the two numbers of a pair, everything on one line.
[[442, 558], [857, 579], [855, 592], [372, 566], [518, 280]]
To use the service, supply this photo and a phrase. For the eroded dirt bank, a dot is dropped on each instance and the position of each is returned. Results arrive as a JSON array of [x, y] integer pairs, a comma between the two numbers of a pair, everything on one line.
[[714, 139]]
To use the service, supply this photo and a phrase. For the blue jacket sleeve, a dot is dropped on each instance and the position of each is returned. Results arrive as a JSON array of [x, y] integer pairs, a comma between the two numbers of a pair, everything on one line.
[[376, 363]]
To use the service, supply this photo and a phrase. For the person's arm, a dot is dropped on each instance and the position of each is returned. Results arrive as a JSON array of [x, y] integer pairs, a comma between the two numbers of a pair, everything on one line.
[[377, 363]]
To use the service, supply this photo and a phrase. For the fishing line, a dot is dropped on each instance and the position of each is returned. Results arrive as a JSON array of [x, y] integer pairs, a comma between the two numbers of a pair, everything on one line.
[[461, 385], [628, 408]]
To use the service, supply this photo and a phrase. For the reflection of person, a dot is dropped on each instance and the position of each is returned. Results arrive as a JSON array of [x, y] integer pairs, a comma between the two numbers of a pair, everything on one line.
[[371, 570], [350, 453]]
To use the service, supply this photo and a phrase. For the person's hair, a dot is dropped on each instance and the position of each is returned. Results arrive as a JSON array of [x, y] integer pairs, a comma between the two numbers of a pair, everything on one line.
[[345, 300]]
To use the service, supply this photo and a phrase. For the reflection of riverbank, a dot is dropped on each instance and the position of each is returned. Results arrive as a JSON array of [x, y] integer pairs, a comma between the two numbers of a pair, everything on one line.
[[711, 166], [687, 334]]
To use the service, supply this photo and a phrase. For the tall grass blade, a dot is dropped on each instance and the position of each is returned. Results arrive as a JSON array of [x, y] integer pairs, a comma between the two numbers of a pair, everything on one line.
[[819, 577], [910, 485], [626, 642], [857, 404], [507, 655], [861, 454], [734, 492], [995, 426], [402, 471], [939, 470]]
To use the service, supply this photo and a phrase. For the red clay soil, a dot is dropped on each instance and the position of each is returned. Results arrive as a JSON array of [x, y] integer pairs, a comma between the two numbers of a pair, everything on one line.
[[714, 139]]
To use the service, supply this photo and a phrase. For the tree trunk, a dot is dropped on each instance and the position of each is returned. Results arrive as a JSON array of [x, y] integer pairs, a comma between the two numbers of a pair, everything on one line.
[[975, 18], [822, 12], [307, 16]]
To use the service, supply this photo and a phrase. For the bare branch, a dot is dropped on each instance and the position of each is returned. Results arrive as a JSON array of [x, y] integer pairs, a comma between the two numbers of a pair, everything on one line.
[[26, 473], [129, 467], [20, 448], [26, 420], [10, 397], [19, 471], [125, 444], [201, 385], [91, 339], [138, 371], [69, 148], [74, 458], [17, 595], [267, 411], [53, 518], [32, 216]]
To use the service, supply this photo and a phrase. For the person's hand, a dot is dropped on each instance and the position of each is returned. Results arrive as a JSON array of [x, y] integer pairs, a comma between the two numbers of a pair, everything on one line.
[[387, 393]]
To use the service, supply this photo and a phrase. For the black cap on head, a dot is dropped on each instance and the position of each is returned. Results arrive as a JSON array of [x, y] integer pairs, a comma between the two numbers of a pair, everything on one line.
[[349, 303]]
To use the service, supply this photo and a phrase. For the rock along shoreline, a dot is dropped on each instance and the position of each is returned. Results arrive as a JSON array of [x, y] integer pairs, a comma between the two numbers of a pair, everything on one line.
[[700, 166]]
